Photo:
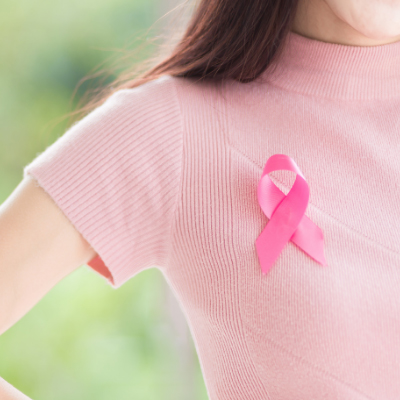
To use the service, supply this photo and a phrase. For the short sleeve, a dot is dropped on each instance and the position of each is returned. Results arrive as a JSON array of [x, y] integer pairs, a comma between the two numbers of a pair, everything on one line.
[[116, 174]]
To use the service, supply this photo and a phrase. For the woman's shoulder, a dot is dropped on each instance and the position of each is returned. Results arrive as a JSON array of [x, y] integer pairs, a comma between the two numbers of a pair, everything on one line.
[[189, 89], [167, 86]]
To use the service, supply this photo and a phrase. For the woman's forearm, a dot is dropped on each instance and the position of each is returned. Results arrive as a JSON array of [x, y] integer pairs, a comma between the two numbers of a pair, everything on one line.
[[9, 392]]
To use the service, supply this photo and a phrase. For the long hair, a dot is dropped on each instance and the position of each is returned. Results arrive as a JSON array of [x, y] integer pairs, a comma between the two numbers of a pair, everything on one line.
[[224, 39]]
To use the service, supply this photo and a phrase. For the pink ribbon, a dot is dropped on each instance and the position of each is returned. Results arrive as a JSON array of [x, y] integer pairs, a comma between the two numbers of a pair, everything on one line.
[[286, 213]]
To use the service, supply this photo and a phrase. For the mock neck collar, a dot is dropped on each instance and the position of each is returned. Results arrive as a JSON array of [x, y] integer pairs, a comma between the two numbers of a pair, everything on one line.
[[339, 71]]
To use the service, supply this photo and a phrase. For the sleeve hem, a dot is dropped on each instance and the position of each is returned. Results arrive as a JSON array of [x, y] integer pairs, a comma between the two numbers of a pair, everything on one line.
[[96, 263]]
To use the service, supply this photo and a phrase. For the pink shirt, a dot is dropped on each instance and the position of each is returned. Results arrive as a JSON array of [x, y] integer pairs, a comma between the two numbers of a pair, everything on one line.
[[165, 175]]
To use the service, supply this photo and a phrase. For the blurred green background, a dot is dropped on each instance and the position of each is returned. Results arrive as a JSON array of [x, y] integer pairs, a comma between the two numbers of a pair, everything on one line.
[[83, 340]]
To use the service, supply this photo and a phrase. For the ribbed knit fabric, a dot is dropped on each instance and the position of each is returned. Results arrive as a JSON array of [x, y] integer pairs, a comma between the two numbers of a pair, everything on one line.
[[165, 175]]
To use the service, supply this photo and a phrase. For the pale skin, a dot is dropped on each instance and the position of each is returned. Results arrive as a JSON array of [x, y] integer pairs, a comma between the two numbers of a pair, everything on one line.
[[349, 22], [38, 244]]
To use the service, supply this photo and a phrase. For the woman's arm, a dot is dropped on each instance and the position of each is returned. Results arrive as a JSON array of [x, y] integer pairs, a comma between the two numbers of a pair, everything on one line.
[[38, 247], [8, 392]]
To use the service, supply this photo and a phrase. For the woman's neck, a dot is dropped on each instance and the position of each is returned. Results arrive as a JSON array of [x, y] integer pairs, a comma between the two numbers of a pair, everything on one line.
[[315, 19]]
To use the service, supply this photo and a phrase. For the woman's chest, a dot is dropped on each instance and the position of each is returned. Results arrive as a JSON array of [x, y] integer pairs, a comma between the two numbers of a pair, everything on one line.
[[307, 327]]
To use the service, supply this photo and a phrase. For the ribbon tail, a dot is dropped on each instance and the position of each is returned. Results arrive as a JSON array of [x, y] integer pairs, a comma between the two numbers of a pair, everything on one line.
[[271, 242], [268, 249], [310, 238]]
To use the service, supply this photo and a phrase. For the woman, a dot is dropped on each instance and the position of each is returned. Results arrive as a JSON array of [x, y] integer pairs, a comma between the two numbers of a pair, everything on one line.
[[165, 173]]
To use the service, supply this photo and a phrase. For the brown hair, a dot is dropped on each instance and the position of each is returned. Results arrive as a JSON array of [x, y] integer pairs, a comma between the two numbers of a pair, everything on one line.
[[224, 39]]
